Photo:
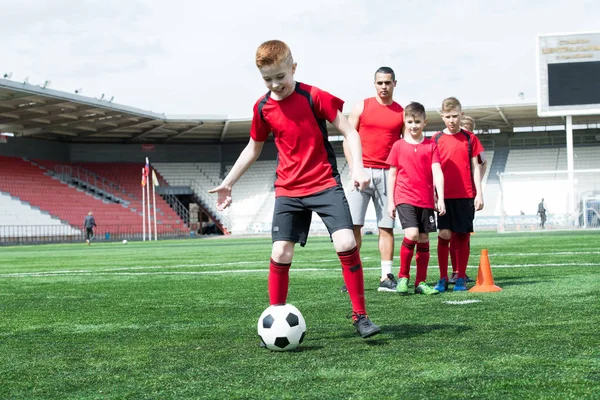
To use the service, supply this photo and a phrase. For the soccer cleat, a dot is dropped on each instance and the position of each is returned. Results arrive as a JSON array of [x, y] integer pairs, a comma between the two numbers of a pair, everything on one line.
[[442, 285], [460, 285], [423, 288], [364, 326], [388, 285], [452, 279], [469, 280], [344, 289], [402, 288]]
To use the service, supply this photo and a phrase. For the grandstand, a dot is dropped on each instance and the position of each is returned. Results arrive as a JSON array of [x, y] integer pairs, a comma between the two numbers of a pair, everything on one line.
[[71, 154]]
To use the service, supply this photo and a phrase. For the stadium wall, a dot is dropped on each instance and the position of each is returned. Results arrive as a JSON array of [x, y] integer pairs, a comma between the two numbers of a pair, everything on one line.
[[34, 148]]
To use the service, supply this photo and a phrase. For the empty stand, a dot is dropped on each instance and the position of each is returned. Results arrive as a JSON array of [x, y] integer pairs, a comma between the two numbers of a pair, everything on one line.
[[35, 185]]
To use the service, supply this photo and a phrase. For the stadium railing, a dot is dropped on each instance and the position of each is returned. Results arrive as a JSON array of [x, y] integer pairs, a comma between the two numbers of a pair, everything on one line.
[[37, 234]]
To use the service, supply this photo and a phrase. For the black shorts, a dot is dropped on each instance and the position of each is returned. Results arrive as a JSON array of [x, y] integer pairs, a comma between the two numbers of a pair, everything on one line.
[[459, 216], [416, 217], [292, 215]]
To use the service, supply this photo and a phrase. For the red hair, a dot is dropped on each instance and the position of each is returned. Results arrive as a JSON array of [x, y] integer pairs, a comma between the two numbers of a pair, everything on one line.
[[273, 52]]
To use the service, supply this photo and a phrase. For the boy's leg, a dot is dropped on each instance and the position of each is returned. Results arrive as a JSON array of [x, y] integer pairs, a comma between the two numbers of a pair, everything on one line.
[[279, 268], [443, 251], [331, 205], [422, 259]]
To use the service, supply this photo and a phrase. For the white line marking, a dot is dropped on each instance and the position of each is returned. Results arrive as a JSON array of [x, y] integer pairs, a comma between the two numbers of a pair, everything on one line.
[[461, 302], [117, 271]]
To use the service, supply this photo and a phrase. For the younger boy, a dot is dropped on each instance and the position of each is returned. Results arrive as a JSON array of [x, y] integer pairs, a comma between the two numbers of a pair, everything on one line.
[[459, 154], [307, 176], [414, 170], [468, 124]]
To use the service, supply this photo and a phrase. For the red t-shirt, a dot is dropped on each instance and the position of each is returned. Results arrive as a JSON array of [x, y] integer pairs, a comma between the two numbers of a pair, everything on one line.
[[456, 162], [414, 178], [306, 160], [379, 128]]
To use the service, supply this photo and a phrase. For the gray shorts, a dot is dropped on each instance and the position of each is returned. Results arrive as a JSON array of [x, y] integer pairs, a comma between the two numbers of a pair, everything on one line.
[[377, 190]]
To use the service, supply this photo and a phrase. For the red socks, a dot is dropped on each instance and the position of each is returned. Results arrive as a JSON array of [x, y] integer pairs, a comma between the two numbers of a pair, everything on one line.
[[453, 247], [279, 280], [353, 278], [442, 250], [462, 252], [406, 254], [422, 262]]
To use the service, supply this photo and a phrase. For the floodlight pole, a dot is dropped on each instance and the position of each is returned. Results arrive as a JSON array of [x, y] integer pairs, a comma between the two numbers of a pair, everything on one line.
[[570, 164]]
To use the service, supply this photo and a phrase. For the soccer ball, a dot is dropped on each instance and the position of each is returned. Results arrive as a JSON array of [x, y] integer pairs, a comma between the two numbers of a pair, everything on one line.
[[281, 328], [124, 241]]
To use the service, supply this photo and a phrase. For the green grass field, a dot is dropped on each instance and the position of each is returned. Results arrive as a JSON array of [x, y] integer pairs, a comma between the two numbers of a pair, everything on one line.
[[177, 320]]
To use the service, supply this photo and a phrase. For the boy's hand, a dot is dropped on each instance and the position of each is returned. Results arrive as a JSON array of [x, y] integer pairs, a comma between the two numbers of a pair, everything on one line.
[[361, 179], [478, 202], [392, 211], [440, 207], [224, 196]]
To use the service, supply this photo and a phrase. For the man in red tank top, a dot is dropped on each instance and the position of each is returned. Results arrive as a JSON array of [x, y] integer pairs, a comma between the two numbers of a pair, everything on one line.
[[379, 121]]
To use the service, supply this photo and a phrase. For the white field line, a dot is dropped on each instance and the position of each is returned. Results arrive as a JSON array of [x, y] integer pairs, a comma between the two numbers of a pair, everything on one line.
[[461, 302], [123, 271]]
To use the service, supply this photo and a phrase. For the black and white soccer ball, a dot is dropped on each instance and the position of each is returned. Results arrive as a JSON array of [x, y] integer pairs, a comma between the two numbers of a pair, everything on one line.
[[281, 327]]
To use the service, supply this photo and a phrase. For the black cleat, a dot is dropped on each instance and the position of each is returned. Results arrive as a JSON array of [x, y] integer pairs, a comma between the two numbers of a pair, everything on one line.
[[364, 326], [344, 289]]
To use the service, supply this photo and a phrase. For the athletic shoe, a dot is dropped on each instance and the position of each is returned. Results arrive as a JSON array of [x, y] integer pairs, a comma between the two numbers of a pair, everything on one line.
[[364, 326], [402, 288], [452, 279], [389, 284], [344, 289], [422, 288], [442, 285], [460, 285], [469, 280]]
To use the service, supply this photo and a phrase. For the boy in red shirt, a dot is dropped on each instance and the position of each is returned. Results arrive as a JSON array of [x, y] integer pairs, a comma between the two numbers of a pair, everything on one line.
[[459, 154], [414, 170], [307, 176]]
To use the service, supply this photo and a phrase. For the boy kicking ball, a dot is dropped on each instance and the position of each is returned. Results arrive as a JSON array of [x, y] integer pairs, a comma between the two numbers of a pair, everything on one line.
[[307, 176], [414, 171]]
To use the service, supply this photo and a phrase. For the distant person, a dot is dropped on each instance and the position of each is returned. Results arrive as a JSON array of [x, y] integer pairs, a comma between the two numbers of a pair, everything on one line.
[[379, 122], [414, 173], [307, 177], [542, 213], [459, 155], [89, 223]]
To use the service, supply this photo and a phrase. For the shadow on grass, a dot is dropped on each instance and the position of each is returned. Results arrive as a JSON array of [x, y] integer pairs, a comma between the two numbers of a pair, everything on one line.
[[408, 331], [516, 281]]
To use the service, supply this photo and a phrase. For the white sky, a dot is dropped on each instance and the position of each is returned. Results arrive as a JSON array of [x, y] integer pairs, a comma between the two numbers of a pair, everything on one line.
[[197, 57]]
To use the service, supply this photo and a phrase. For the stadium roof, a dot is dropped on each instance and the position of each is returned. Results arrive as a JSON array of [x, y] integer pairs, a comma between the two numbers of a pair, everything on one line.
[[39, 112]]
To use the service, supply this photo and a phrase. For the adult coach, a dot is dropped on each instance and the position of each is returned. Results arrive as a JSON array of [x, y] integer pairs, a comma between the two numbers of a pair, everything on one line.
[[379, 121]]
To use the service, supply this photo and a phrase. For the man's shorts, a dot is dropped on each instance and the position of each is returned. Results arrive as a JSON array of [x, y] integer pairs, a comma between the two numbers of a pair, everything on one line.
[[416, 217], [459, 216], [377, 190], [292, 215]]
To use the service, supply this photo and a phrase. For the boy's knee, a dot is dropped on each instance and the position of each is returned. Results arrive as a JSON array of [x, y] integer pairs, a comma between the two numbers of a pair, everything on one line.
[[282, 252], [343, 240]]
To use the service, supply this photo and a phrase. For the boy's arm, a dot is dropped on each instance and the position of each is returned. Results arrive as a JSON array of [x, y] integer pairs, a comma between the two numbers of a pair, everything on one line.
[[438, 181], [244, 161], [353, 119], [391, 185], [359, 176], [477, 177]]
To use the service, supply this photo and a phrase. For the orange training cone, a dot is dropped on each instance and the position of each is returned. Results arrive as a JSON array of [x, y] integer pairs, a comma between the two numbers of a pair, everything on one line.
[[485, 280]]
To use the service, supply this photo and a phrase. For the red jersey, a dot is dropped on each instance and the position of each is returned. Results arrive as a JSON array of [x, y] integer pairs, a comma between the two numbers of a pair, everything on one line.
[[306, 161], [414, 178], [379, 127], [456, 151]]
